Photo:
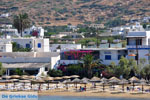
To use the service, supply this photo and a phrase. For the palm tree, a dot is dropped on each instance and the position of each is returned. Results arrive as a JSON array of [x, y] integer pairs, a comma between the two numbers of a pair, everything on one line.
[[89, 63], [21, 21]]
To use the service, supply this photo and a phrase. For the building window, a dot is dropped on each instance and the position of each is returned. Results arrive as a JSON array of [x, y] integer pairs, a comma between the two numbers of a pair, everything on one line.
[[107, 57], [27, 45], [119, 57], [39, 45]]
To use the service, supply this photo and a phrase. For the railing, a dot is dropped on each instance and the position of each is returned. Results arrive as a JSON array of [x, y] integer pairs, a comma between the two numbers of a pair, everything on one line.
[[138, 47]]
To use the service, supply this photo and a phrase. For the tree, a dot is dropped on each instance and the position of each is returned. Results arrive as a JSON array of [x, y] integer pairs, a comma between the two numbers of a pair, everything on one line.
[[134, 68], [145, 72], [21, 21], [2, 70], [18, 71], [123, 68], [75, 70], [55, 73], [88, 64]]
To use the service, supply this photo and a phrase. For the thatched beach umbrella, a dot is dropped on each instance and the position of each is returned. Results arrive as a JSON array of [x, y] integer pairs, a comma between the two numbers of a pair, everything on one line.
[[142, 82], [104, 81], [114, 81], [66, 77], [48, 79], [123, 81], [94, 80], [134, 80], [74, 76], [6, 77], [14, 81], [6, 83], [76, 81], [85, 81], [15, 76], [32, 77], [57, 78], [24, 81], [40, 81], [25, 77], [66, 82]]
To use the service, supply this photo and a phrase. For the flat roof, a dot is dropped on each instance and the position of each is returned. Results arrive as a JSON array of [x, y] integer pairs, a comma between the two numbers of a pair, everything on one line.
[[101, 49], [25, 65]]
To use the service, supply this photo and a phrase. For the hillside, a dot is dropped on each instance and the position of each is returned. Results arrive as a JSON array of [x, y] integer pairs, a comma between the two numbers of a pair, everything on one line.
[[62, 12]]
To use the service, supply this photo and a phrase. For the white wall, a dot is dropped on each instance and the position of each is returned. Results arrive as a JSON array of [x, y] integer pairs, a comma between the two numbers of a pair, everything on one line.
[[114, 56], [55, 62], [34, 43]]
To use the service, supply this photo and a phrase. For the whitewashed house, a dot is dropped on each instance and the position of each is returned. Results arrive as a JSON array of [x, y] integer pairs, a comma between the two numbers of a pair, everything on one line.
[[34, 31]]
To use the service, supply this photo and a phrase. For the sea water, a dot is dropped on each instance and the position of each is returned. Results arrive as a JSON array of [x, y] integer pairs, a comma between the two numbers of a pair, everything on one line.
[[82, 98]]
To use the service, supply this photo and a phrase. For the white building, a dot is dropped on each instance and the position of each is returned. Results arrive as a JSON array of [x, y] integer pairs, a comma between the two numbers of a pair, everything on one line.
[[138, 43], [36, 63], [59, 47], [8, 30], [123, 30], [106, 55], [36, 44], [34, 31], [97, 26], [5, 46]]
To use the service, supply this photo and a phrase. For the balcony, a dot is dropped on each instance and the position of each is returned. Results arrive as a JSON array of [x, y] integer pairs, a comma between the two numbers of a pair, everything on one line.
[[141, 47]]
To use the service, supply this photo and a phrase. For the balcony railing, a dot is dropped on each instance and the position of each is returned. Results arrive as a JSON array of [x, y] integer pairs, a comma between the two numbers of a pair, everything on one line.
[[138, 47]]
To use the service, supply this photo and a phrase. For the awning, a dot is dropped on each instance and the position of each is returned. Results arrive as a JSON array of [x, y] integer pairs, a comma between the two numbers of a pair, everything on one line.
[[25, 65]]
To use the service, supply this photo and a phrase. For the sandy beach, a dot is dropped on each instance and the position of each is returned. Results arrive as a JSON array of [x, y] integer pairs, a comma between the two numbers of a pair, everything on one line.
[[90, 92], [95, 94]]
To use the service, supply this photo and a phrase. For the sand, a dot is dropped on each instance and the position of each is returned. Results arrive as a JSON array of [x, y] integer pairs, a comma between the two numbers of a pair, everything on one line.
[[96, 93], [93, 92]]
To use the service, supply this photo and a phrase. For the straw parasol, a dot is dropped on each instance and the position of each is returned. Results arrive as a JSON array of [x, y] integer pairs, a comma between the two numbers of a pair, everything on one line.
[[104, 81], [40, 81], [15, 76], [66, 82], [76, 81], [24, 77], [6, 83], [66, 77], [48, 79], [6, 77], [24, 81], [32, 77], [74, 76], [133, 80], [142, 82], [123, 81], [114, 81], [85, 79], [57, 78], [14, 81], [94, 80]]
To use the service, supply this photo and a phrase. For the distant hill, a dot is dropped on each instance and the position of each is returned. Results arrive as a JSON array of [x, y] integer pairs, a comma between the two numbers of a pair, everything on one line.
[[62, 12]]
